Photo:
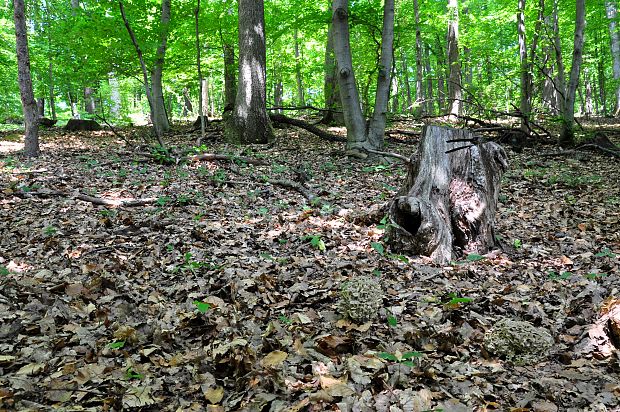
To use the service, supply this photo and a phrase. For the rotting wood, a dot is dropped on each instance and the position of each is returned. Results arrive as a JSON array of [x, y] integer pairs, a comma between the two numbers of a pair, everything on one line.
[[446, 207]]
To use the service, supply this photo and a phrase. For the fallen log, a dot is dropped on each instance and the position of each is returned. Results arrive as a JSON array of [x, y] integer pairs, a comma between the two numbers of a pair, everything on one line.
[[280, 118]]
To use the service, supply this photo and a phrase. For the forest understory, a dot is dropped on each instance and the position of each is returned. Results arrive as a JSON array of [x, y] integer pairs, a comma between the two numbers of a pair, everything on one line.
[[219, 289]]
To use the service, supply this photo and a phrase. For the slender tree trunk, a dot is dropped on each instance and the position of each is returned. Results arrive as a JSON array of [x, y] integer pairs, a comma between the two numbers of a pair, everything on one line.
[[405, 68], [145, 76], [201, 112], [40, 107], [560, 83], [601, 80], [441, 80], [89, 100], [29, 106], [51, 90], [612, 14], [429, 101], [249, 122], [115, 96], [300, 85], [567, 135], [160, 118], [454, 85], [376, 129], [525, 92], [353, 118], [419, 90], [187, 102]]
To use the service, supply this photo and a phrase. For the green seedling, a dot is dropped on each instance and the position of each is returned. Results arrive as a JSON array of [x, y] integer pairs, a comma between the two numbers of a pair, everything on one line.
[[378, 247], [517, 244], [130, 374], [317, 242], [50, 231], [594, 276], [202, 307], [116, 345], [163, 201], [404, 358], [561, 276], [606, 253], [4, 271], [456, 301], [285, 319], [392, 321]]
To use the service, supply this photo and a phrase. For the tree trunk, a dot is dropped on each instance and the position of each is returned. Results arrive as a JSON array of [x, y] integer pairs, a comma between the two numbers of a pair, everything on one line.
[[201, 104], [187, 102], [446, 208], [89, 100], [454, 84], [300, 85], [376, 130], [40, 107], [560, 81], [51, 90], [74, 106], [333, 104], [230, 83], [567, 135], [612, 13], [429, 106], [160, 117], [357, 141], [407, 84], [419, 89], [249, 122], [524, 106], [29, 106], [115, 96]]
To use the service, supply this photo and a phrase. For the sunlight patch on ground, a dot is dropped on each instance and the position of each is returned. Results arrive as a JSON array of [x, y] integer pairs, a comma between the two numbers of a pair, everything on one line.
[[9, 147]]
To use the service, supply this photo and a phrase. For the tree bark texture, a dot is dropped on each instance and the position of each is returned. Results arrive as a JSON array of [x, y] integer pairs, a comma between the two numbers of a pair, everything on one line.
[[89, 100], [201, 111], [298, 77], [376, 130], [249, 122], [349, 95], [612, 13], [333, 104], [446, 208], [454, 82], [160, 117], [230, 82], [567, 135], [29, 106]]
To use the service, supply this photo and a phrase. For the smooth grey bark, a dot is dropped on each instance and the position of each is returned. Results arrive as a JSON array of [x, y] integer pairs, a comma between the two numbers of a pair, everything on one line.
[[376, 129], [249, 122], [160, 117], [50, 72], [115, 96], [187, 103], [612, 14], [40, 107], [201, 111], [419, 90], [298, 77], [29, 106], [230, 83], [429, 105], [560, 81], [206, 98], [567, 135], [454, 66], [446, 206], [349, 95]]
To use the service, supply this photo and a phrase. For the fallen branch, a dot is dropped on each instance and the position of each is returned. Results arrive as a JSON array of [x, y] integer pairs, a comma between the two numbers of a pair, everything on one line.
[[280, 118], [209, 157], [92, 199], [305, 192], [389, 154]]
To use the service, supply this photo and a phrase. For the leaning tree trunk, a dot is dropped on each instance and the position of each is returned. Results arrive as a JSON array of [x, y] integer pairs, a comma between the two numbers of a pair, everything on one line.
[[612, 13], [160, 117], [447, 205]]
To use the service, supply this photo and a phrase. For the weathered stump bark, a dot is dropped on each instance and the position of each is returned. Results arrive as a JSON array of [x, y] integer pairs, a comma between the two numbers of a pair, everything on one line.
[[82, 124], [446, 208]]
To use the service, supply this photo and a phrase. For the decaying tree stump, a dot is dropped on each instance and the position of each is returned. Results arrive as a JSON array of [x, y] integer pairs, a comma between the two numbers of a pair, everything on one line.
[[74, 125], [446, 208]]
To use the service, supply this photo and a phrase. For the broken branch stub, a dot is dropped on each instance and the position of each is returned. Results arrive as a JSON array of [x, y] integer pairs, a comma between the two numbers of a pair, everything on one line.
[[446, 207]]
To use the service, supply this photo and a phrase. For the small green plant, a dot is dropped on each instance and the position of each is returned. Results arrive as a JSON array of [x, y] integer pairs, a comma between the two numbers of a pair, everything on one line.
[[200, 149], [190, 264], [559, 276], [219, 176], [107, 213], [606, 253], [119, 344], [163, 201], [161, 155], [375, 168], [594, 276], [202, 307], [404, 358], [263, 210], [4, 271], [517, 244], [285, 319], [316, 242], [279, 169], [50, 231], [392, 321], [455, 300], [378, 247], [169, 247], [130, 374], [184, 199]]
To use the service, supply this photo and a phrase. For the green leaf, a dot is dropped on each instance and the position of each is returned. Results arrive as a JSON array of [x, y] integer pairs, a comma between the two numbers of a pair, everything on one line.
[[378, 247], [201, 306], [472, 257], [116, 345], [387, 356], [605, 253], [411, 355], [4, 271], [392, 321]]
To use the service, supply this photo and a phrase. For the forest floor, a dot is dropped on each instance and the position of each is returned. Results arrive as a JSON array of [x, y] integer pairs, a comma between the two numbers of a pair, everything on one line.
[[219, 291]]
